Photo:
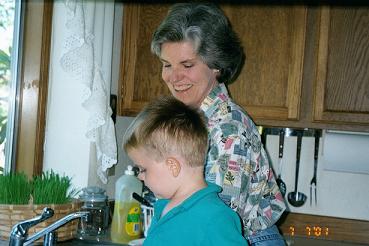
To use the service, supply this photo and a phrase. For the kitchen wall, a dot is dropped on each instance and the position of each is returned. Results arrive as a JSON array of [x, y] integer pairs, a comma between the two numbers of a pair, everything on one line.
[[66, 149], [123, 159], [341, 194]]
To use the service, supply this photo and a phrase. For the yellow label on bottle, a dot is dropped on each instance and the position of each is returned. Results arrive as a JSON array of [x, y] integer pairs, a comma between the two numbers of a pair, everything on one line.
[[133, 223]]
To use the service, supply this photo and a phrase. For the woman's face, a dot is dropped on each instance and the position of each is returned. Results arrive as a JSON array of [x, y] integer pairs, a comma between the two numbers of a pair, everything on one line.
[[188, 78]]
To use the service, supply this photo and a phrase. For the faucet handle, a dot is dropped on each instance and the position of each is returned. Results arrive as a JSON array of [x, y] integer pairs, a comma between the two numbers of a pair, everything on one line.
[[21, 229]]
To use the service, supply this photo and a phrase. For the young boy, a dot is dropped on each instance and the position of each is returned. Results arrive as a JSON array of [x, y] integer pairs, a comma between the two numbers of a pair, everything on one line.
[[168, 142]]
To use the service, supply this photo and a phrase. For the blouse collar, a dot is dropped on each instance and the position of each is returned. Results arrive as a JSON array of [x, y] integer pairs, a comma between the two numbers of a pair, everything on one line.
[[216, 96]]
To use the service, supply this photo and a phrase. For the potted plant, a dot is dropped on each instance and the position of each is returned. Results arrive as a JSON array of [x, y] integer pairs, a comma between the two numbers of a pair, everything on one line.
[[22, 198]]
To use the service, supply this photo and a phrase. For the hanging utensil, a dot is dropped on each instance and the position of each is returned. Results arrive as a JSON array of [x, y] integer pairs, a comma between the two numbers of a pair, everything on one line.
[[295, 198], [313, 181], [280, 183]]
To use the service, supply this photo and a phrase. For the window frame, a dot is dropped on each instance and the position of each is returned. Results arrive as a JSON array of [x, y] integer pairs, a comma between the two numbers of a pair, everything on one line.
[[34, 74], [14, 86]]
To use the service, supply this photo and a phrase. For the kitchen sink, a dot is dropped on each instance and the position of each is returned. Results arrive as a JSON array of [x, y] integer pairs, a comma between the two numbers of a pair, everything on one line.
[[76, 242], [79, 242], [103, 240]]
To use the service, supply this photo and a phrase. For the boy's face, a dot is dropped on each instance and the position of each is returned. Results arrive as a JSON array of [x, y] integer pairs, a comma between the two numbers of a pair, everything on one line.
[[155, 174]]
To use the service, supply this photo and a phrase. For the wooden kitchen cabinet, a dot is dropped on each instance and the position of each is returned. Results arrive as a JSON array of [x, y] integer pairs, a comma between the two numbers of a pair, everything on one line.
[[342, 82], [305, 66], [269, 86], [140, 71]]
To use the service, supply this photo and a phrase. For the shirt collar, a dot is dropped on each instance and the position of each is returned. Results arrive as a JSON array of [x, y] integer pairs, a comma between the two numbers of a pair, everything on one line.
[[198, 195], [216, 96], [186, 204], [189, 202]]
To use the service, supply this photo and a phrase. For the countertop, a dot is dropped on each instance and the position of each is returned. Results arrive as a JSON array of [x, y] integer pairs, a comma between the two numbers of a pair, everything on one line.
[[303, 241], [291, 241], [100, 240], [75, 242]]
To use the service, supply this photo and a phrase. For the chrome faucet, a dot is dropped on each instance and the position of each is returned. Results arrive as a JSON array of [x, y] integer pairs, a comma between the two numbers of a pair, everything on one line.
[[19, 232]]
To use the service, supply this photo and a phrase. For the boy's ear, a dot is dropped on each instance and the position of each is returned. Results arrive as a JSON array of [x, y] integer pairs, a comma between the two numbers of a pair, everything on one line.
[[173, 165]]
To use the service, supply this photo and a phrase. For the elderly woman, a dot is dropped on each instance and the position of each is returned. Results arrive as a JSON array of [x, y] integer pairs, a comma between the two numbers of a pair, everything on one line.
[[200, 54]]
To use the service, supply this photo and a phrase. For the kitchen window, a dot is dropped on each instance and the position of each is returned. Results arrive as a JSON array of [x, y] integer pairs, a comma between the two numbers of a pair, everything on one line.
[[10, 31]]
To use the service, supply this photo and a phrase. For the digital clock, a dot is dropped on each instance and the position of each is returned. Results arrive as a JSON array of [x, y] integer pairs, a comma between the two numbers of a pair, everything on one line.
[[309, 231]]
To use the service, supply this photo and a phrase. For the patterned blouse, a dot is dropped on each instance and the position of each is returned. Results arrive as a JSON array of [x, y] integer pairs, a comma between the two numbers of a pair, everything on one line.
[[238, 162]]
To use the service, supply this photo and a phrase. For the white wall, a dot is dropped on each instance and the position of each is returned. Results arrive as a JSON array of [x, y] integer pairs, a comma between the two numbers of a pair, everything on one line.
[[123, 160], [66, 149], [339, 194]]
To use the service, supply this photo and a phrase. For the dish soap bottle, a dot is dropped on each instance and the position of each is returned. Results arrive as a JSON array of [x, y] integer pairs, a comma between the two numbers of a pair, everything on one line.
[[126, 224]]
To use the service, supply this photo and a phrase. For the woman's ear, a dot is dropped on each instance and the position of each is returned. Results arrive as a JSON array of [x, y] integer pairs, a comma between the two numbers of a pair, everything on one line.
[[216, 72], [173, 165]]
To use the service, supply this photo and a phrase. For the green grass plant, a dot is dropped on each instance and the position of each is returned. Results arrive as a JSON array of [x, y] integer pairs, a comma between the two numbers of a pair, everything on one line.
[[15, 188], [51, 188], [48, 188]]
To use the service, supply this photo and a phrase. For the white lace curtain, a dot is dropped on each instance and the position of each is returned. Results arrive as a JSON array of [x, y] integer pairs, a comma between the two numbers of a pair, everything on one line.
[[87, 56]]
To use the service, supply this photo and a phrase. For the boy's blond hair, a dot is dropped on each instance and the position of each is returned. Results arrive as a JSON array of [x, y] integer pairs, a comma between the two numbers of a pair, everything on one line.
[[169, 127]]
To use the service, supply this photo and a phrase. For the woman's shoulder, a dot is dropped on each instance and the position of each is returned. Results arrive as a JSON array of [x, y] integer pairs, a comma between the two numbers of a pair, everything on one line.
[[235, 118]]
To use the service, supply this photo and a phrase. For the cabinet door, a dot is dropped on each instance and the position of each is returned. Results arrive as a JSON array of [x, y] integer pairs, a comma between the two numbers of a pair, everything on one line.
[[269, 86], [342, 83], [140, 71]]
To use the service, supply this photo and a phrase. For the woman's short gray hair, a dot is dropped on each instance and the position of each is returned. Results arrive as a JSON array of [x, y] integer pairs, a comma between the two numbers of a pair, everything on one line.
[[208, 29]]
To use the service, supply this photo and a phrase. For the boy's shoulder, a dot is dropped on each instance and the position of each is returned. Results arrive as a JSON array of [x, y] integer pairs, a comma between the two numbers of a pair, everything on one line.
[[209, 203], [202, 203], [203, 214]]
